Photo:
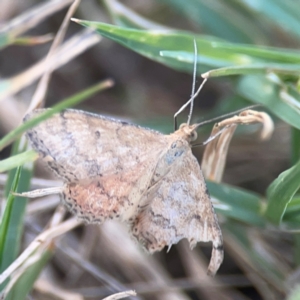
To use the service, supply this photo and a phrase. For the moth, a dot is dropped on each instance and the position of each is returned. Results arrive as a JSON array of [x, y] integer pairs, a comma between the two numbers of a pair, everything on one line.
[[115, 170]]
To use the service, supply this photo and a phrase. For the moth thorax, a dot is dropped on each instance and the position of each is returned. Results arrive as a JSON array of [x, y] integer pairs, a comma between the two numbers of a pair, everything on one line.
[[189, 131]]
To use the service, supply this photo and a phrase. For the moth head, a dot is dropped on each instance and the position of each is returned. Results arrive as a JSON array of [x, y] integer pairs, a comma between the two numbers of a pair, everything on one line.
[[189, 131]]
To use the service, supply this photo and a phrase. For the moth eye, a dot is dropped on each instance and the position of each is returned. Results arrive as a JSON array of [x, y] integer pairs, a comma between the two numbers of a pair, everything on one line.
[[194, 136]]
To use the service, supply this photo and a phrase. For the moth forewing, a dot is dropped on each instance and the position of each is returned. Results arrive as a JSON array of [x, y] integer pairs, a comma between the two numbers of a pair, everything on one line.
[[180, 207], [104, 163]]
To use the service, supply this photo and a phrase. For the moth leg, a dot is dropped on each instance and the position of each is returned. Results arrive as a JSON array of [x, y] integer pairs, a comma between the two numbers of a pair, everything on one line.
[[40, 192], [182, 108], [212, 137]]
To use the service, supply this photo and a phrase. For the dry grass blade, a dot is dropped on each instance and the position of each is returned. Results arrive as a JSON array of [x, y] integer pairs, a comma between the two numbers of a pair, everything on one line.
[[42, 87], [44, 237], [196, 269], [254, 275], [35, 182], [250, 116], [42, 205], [121, 295], [34, 16], [209, 287], [11, 113], [214, 157], [46, 288], [90, 268], [34, 40], [36, 255], [89, 237], [134, 263], [65, 53]]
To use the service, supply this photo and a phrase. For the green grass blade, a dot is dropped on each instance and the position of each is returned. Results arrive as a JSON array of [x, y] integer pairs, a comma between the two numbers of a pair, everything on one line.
[[237, 204], [15, 227], [25, 283], [292, 216], [7, 216], [295, 145], [263, 68], [18, 160], [214, 52], [284, 14], [4, 40], [244, 67], [275, 96], [220, 18], [71, 101], [281, 192], [29, 19]]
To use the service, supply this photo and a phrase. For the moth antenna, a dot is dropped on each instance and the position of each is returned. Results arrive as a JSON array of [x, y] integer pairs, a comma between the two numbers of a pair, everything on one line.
[[226, 115], [194, 83], [187, 103], [211, 138], [194, 95]]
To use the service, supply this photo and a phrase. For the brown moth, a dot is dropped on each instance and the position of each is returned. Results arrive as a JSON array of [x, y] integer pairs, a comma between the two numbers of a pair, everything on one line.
[[115, 170]]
